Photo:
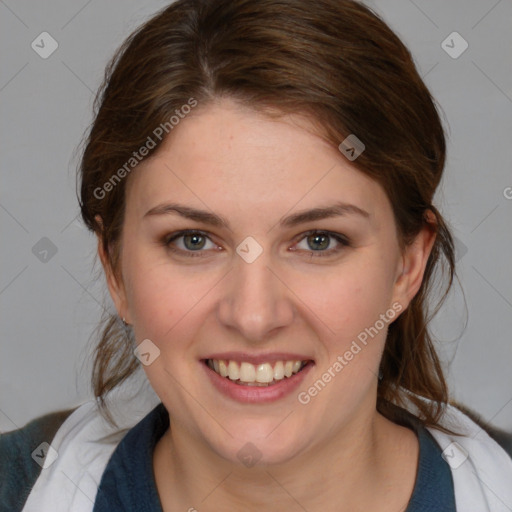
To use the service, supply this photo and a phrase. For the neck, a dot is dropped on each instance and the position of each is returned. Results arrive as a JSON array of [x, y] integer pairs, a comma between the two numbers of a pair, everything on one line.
[[353, 469]]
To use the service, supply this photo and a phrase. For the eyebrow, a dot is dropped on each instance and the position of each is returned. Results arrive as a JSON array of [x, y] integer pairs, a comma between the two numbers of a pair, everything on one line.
[[336, 210]]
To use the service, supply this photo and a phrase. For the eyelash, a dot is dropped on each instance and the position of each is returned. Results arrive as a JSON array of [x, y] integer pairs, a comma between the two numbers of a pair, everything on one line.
[[342, 240]]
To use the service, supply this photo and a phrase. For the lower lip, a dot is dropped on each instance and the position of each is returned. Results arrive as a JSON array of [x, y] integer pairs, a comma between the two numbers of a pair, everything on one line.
[[257, 394]]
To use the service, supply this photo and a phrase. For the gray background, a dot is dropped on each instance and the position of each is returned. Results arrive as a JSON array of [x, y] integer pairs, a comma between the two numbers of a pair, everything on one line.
[[50, 308]]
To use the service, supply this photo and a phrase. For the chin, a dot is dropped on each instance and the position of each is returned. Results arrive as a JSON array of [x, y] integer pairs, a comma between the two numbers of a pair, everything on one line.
[[253, 449]]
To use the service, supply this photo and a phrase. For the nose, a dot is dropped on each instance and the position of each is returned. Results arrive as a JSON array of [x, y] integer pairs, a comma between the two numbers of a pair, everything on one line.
[[256, 302]]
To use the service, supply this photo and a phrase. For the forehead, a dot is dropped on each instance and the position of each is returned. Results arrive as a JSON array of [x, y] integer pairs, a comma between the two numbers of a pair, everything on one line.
[[231, 158]]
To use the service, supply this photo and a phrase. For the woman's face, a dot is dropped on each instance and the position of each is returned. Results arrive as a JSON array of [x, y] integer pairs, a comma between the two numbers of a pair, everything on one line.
[[251, 283]]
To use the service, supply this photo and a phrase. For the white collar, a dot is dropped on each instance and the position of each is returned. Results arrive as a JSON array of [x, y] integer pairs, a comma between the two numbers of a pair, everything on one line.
[[85, 442]]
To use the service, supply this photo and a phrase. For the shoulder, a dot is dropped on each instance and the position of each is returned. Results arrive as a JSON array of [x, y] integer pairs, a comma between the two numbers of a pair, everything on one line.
[[83, 445], [503, 438], [472, 431], [481, 467], [22, 456]]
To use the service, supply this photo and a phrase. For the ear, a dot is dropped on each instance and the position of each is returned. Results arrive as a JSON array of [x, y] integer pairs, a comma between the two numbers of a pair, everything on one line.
[[411, 268], [116, 289]]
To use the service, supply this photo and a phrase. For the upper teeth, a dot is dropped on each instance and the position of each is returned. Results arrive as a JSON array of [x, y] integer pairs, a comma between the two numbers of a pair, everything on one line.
[[247, 372]]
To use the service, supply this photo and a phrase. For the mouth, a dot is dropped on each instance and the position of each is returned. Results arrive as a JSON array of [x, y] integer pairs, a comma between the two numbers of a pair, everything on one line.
[[265, 374]]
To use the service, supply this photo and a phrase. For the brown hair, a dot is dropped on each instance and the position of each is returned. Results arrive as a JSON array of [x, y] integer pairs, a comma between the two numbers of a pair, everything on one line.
[[333, 60]]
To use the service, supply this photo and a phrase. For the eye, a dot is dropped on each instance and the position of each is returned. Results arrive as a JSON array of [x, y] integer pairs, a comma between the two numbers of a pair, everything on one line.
[[189, 241], [323, 243]]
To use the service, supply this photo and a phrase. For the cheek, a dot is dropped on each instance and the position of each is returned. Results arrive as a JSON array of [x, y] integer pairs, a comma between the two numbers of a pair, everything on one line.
[[164, 300], [348, 298], [167, 309]]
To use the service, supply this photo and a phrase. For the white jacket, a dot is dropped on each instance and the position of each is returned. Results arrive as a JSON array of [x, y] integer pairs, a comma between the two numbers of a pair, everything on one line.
[[481, 469]]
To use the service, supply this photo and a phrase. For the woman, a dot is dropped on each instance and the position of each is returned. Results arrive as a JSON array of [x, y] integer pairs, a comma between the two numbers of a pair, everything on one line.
[[260, 177]]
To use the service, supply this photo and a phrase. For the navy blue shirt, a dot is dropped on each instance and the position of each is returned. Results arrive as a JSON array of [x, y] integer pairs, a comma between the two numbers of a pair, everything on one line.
[[128, 482]]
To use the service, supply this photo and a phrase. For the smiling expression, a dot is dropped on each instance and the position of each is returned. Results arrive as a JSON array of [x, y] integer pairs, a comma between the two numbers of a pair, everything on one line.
[[228, 186]]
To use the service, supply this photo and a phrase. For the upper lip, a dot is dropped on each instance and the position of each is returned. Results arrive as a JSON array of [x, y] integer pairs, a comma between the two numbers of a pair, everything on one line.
[[270, 357]]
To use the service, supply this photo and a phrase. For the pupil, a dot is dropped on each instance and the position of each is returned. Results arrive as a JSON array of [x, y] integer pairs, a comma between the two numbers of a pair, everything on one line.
[[317, 242], [194, 241]]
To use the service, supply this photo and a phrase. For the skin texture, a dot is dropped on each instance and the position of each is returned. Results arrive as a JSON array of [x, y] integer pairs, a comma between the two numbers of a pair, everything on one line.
[[336, 452]]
